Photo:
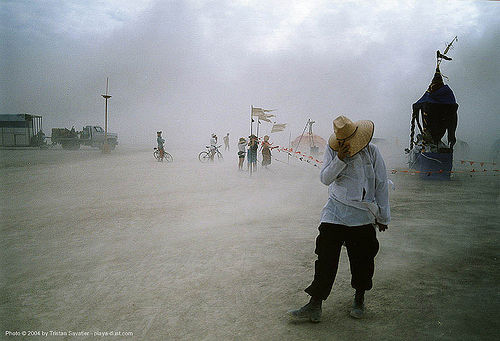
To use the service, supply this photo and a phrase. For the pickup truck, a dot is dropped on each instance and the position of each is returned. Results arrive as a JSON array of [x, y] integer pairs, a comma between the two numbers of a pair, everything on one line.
[[89, 136]]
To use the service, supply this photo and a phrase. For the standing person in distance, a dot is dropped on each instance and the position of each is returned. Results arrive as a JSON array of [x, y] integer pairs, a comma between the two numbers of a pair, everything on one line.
[[253, 146], [241, 152], [358, 201], [226, 142], [213, 145], [161, 142], [266, 151]]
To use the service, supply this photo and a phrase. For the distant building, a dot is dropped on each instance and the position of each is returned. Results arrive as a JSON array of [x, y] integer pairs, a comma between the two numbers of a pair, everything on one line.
[[20, 130]]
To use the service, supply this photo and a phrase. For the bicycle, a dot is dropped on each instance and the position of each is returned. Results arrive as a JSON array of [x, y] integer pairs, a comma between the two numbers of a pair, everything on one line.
[[209, 155], [166, 156]]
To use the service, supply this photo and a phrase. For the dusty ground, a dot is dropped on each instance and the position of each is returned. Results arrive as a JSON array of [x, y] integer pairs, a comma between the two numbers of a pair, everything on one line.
[[191, 251]]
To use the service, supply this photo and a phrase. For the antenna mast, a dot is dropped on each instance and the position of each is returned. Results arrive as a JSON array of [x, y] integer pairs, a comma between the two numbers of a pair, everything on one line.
[[105, 146]]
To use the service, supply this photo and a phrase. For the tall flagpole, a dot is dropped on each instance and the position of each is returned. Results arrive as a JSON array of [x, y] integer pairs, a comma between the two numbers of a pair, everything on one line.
[[257, 141], [289, 141], [249, 151], [105, 146], [251, 120]]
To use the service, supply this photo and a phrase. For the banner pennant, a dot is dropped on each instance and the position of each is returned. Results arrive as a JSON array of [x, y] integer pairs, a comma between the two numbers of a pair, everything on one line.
[[278, 127]]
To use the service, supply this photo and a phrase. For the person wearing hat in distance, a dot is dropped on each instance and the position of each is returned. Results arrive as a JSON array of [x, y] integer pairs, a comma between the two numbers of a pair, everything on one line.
[[213, 145], [358, 201], [241, 152], [266, 148], [160, 141], [253, 145]]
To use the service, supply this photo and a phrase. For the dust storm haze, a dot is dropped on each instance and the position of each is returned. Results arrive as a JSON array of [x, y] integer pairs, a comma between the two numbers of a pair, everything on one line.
[[191, 68], [95, 242]]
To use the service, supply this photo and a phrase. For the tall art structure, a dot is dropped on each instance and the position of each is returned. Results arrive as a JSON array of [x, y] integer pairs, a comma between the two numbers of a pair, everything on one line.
[[435, 114]]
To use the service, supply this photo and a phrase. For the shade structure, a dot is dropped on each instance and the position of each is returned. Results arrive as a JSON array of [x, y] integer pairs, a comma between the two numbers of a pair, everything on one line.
[[307, 141]]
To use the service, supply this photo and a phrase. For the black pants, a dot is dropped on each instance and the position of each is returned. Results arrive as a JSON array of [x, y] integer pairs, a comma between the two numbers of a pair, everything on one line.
[[362, 246]]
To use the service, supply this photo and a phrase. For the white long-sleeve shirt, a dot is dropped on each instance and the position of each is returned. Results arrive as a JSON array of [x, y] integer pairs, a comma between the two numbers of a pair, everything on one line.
[[357, 188], [242, 146]]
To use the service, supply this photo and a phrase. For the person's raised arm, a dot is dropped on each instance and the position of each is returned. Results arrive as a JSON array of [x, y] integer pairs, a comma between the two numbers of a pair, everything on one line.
[[332, 166]]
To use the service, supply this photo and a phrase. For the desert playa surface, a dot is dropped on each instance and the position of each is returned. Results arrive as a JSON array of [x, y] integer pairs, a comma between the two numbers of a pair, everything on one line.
[[191, 251]]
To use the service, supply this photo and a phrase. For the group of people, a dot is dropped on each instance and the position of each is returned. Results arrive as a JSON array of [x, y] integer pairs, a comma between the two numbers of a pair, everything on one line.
[[248, 148], [251, 152], [358, 204]]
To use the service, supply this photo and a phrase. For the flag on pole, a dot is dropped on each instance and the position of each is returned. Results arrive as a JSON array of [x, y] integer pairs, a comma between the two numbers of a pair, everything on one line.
[[278, 127], [257, 111], [262, 114]]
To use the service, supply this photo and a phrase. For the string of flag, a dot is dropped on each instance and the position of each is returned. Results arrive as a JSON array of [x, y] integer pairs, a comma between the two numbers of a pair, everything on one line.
[[317, 163], [297, 154], [481, 163], [429, 172], [301, 156]]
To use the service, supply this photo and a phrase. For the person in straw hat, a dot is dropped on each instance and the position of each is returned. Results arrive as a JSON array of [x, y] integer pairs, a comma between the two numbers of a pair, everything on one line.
[[358, 202], [253, 145], [241, 152]]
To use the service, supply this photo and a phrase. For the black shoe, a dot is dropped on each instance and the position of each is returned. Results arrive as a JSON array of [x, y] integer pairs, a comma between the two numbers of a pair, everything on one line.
[[358, 307], [311, 311]]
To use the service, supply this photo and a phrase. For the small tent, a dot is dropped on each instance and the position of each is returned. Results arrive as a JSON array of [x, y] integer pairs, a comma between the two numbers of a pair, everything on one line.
[[313, 144]]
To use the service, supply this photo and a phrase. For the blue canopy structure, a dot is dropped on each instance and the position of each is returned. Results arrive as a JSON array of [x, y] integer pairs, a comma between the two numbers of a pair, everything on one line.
[[443, 95], [438, 108]]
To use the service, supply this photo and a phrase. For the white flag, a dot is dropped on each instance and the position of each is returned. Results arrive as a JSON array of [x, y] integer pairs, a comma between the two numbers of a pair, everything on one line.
[[278, 127], [264, 118], [261, 112], [257, 111]]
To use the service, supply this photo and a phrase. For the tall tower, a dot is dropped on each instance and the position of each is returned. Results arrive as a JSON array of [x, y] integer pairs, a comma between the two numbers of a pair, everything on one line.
[[105, 146]]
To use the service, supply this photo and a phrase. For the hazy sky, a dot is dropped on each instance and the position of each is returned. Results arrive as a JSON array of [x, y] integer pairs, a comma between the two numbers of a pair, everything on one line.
[[190, 68]]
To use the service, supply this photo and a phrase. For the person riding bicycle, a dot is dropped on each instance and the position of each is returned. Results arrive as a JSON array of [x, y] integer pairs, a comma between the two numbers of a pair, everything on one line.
[[160, 142], [213, 145]]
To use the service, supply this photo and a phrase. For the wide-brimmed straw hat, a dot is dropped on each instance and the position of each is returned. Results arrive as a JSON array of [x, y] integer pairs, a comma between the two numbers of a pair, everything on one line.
[[242, 139], [356, 134]]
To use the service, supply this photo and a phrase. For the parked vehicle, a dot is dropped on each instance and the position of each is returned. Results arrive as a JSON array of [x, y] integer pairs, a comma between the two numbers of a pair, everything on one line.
[[92, 136]]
